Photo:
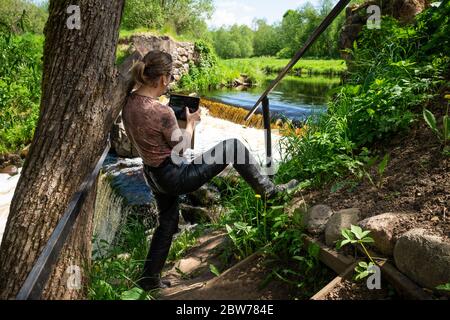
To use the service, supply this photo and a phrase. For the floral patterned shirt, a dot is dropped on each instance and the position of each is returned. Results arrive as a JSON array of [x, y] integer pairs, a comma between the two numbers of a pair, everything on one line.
[[150, 125]]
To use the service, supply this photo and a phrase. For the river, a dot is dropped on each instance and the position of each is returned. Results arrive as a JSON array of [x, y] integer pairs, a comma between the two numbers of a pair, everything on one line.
[[295, 97]]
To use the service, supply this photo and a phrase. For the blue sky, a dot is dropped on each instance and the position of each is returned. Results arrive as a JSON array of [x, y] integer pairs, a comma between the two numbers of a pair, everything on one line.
[[229, 12]]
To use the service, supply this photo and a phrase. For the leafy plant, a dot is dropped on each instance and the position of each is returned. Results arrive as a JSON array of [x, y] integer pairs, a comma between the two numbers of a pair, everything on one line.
[[363, 270], [444, 134], [135, 294], [183, 242], [380, 168], [357, 236], [444, 287], [214, 270]]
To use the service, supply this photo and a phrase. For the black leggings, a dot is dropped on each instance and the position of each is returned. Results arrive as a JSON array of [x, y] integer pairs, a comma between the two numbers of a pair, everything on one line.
[[171, 180]]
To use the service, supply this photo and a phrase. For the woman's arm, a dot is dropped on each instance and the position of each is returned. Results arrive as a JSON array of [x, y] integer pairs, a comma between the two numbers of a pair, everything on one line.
[[179, 139], [192, 120]]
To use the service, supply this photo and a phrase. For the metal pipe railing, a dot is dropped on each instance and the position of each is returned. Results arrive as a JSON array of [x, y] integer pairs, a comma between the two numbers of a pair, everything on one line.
[[300, 53]]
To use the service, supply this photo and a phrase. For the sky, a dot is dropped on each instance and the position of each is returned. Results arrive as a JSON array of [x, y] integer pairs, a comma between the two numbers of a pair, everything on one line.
[[229, 12]]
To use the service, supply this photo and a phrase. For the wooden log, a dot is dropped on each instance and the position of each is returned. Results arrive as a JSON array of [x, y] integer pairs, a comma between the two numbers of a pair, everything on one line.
[[346, 275], [333, 259]]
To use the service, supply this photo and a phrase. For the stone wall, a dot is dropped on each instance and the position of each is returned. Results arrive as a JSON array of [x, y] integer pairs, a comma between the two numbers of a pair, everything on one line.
[[182, 52]]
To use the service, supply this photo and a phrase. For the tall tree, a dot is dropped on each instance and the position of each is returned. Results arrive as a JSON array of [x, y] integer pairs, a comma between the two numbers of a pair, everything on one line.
[[82, 93]]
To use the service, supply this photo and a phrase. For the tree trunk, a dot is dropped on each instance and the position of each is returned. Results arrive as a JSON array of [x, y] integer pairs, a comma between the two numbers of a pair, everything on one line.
[[82, 94]]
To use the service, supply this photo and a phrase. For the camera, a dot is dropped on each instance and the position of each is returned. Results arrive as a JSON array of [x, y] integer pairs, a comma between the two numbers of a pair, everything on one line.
[[179, 103]]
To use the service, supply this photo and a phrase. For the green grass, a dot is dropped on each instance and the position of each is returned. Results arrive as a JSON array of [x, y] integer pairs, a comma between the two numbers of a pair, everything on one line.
[[268, 65], [115, 272]]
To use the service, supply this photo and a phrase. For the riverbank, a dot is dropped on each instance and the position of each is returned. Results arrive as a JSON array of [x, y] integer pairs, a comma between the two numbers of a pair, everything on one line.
[[256, 71], [269, 65]]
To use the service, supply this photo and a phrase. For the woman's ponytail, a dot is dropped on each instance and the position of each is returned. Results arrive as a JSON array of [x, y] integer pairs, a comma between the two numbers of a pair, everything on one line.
[[154, 65], [137, 72]]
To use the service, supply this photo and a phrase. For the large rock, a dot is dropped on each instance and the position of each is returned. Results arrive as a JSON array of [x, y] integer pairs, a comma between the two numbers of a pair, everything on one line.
[[316, 218], [297, 207], [342, 219], [406, 10], [194, 215], [382, 229], [206, 196], [423, 257]]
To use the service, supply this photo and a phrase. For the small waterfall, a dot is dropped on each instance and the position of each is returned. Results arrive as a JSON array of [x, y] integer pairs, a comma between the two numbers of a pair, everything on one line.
[[121, 192], [110, 213]]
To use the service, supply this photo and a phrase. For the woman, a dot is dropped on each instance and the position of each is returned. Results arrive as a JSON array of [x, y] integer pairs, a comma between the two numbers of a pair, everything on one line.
[[153, 130]]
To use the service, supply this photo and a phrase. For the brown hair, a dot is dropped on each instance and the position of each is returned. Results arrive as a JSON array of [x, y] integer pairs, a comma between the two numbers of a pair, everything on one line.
[[148, 70]]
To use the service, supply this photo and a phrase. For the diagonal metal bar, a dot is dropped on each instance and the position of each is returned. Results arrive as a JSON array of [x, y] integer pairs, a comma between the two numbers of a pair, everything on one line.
[[316, 34], [37, 278], [267, 131]]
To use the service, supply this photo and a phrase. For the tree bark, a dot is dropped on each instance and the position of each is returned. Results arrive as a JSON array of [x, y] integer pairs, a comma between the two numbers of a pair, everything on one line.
[[82, 95]]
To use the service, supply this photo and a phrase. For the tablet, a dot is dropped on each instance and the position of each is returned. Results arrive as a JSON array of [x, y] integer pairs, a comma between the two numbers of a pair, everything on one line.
[[179, 102]]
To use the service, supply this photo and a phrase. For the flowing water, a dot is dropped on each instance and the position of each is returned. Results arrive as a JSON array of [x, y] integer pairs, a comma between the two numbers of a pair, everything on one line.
[[295, 97]]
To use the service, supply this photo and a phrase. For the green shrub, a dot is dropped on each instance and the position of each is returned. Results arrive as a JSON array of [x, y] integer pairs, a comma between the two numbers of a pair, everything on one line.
[[20, 89], [391, 78]]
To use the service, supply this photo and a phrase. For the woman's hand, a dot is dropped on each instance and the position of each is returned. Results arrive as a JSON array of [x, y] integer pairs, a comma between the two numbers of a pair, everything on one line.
[[193, 118]]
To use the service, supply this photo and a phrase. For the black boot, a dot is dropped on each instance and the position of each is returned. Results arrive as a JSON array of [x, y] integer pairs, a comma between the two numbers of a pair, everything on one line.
[[153, 283], [282, 188], [261, 184]]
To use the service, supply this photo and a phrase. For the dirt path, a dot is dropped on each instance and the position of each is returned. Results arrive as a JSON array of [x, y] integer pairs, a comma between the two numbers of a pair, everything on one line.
[[192, 278]]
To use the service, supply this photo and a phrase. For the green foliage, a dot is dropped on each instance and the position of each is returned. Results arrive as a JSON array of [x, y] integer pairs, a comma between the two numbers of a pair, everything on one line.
[[233, 42], [354, 235], [182, 243], [270, 65], [380, 168], [266, 39], [205, 73], [180, 16], [19, 16], [214, 270], [434, 26], [298, 25], [281, 39], [444, 287], [255, 224], [363, 270], [258, 70], [20, 86], [114, 273], [390, 80], [442, 134]]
